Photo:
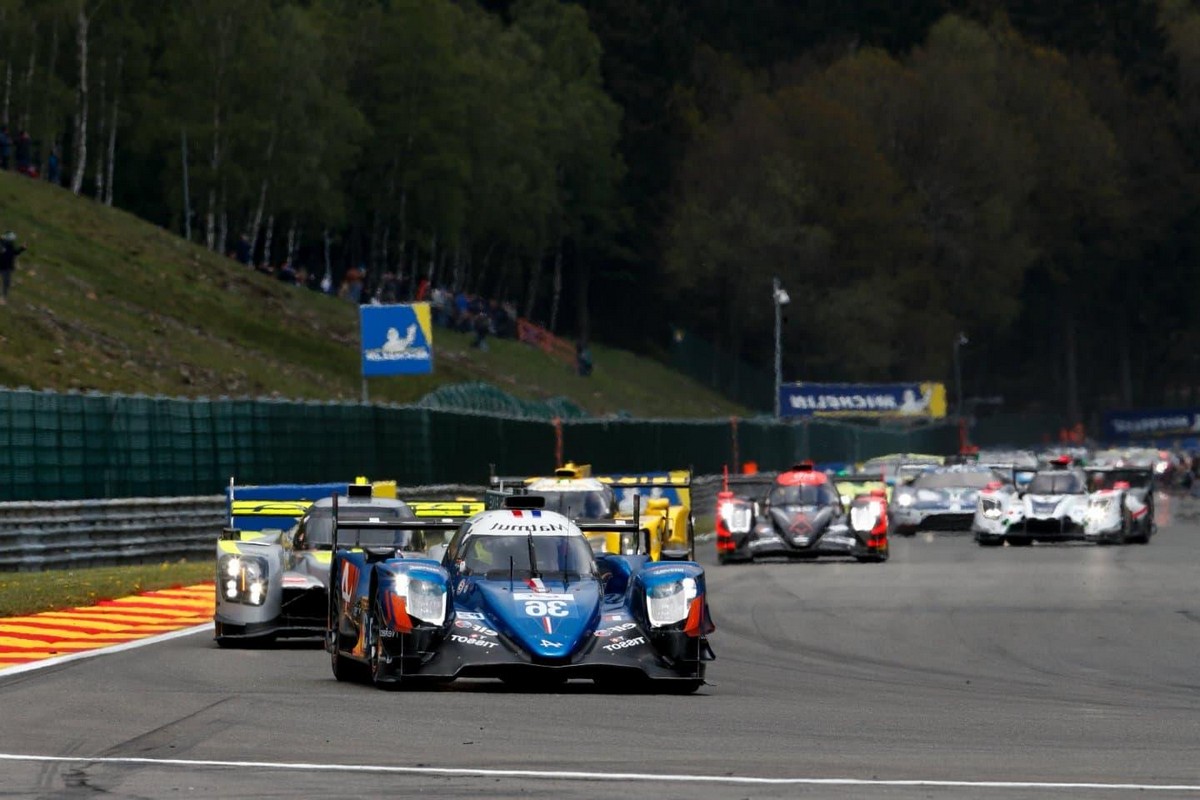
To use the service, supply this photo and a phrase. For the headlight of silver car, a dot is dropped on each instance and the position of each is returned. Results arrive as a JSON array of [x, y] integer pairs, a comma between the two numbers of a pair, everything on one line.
[[667, 603], [737, 518], [991, 509], [242, 579], [904, 500]]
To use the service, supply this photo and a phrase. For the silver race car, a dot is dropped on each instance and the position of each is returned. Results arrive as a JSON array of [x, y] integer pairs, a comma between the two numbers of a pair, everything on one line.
[[273, 561], [940, 498]]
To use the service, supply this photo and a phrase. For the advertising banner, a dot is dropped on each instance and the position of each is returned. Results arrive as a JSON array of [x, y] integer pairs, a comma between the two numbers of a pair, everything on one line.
[[396, 340], [916, 400], [1151, 423]]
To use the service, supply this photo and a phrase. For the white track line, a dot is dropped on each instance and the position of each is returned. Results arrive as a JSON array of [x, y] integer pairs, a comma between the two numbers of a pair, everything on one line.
[[472, 772], [102, 651]]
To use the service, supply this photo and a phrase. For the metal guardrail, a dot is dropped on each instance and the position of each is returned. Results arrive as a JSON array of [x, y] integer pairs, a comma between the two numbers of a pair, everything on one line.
[[87, 533], [76, 533]]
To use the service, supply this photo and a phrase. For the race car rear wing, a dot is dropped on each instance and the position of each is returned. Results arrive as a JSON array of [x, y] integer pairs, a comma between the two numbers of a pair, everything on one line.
[[385, 524]]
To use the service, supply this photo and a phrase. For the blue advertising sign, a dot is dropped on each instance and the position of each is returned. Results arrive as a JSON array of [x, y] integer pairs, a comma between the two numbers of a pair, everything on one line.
[[862, 399], [1151, 423], [396, 340]]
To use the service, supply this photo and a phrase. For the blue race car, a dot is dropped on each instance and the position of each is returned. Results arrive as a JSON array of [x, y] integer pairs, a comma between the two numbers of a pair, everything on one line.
[[517, 595]]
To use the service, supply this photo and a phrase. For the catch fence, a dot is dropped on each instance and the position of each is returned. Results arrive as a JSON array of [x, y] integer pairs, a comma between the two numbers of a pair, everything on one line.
[[56, 446]]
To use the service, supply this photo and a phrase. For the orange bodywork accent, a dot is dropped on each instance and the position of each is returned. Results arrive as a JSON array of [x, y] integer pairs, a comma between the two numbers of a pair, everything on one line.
[[695, 617], [398, 611]]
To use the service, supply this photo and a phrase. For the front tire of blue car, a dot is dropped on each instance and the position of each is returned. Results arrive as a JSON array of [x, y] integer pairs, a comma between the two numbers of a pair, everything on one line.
[[343, 668]]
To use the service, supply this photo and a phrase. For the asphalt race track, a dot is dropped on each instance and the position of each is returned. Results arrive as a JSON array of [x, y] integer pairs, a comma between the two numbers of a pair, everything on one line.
[[951, 671]]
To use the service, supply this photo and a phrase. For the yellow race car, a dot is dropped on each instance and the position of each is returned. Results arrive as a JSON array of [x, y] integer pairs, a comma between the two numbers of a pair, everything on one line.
[[660, 502]]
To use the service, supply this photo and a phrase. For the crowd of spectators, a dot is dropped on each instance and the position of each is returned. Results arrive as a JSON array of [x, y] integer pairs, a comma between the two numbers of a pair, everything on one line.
[[462, 311], [467, 312], [17, 152]]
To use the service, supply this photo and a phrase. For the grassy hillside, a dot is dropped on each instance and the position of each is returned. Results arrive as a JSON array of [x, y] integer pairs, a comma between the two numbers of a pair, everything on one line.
[[107, 302]]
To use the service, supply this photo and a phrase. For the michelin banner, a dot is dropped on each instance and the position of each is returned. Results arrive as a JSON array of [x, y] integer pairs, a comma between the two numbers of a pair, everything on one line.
[[1151, 423], [916, 400], [396, 340]]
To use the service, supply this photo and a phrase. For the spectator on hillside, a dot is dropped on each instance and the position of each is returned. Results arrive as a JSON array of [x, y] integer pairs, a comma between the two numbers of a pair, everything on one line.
[[438, 302], [352, 284], [25, 155], [8, 262], [501, 321], [462, 312], [302, 279], [422, 290], [286, 273], [481, 325], [54, 167], [6, 144], [583, 359], [389, 289], [242, 251]]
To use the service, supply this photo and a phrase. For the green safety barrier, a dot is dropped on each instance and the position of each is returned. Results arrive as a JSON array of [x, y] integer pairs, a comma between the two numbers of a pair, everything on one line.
[[79, 446]]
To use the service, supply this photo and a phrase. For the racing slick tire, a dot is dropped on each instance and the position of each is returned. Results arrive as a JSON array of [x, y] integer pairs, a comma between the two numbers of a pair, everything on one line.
[[877, 559], [1019, 541], [344, 669], [989, 541]]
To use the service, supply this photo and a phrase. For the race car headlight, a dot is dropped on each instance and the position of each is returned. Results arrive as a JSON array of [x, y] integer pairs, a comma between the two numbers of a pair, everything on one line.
[[904, 500], [737, 518], [863, 517], [991, 510], [243, 579], [1161, 467], [1099, 509], [427, 601], [423, 599], [667, 603], [628, 543]]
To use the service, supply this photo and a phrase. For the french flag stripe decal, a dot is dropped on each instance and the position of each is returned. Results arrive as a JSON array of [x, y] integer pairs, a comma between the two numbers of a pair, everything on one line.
[[517, 514], [546, 624], [536, 513], [537, 585]]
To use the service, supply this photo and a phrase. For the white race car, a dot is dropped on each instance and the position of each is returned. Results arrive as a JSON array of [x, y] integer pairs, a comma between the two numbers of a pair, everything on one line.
[[1107, 506]]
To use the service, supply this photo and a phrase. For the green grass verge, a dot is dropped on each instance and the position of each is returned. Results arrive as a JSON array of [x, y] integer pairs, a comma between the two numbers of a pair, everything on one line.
[[30, 592], [104, 301]]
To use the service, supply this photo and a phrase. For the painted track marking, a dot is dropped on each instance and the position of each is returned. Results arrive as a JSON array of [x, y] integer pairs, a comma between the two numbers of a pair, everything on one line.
[[49, 660], [571, 775], [35, 637]]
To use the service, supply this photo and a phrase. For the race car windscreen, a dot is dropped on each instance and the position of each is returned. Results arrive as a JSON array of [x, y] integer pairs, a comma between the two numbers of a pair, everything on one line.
[[579, 504], [319, 530], [1056, 484], [953, 480], [554, 557], [821, 494]]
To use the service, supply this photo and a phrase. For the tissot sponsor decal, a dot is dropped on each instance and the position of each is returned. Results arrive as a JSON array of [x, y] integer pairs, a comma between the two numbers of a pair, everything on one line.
[[474, 641], [469, 614]]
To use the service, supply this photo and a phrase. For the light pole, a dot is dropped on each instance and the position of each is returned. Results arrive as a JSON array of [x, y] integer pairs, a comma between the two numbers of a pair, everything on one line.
[[959, 341], [779, 297]]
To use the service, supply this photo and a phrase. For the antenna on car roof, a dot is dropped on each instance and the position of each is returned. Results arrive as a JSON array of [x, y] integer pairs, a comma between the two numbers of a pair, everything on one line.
[[231, 501], [637, 518]]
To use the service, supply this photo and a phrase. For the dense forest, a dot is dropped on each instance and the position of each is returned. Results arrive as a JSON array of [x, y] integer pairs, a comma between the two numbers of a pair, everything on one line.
[[1019, 171]]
